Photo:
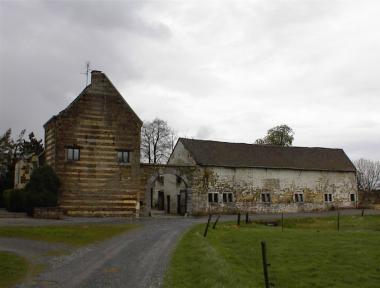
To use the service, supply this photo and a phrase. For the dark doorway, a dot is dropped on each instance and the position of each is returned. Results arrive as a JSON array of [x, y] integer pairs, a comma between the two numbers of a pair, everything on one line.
[[168, 203], [161, 199], [182, 202]]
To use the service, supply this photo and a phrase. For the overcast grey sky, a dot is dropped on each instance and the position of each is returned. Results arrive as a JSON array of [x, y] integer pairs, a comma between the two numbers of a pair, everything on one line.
[[222, 70]]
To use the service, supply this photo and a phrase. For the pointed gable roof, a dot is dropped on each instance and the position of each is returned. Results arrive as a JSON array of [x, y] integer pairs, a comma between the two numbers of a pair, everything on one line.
[[239, 155], [99, 81]]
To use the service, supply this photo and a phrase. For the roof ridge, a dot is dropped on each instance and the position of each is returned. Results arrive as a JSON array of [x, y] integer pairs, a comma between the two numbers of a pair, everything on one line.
[[261, 145]]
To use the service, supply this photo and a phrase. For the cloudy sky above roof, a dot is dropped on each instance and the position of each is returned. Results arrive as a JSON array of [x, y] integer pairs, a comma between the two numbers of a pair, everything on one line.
[[221, 70]]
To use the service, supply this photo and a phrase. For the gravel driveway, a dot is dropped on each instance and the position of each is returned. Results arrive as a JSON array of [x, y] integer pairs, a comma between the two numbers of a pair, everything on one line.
[[135, 259]]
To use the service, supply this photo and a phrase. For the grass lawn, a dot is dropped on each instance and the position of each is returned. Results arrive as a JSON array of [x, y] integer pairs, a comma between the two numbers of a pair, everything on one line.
[[76, 235], [13, 268], [309, 253]]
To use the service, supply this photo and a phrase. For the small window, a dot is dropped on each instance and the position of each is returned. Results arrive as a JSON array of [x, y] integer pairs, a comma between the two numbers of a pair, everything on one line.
[[265, 197], [352, 197], [123, 156], [328, 197], [213, 197], [298, 197], [72, 154], [227, 197]]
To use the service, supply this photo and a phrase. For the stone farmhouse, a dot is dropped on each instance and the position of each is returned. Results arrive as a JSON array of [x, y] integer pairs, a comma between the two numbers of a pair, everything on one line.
[[94, 147]]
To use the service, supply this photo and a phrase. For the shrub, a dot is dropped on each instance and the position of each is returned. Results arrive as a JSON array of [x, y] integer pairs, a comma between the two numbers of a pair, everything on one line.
[[6, 182], [14, 200], [42, 189]]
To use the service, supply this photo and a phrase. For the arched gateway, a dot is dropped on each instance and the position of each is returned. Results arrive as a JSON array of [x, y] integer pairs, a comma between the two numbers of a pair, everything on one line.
[[166, 188]]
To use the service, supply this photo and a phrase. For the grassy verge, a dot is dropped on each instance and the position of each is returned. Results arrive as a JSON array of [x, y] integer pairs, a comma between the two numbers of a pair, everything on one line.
[[309, 253], [13, 268], [76, 235]]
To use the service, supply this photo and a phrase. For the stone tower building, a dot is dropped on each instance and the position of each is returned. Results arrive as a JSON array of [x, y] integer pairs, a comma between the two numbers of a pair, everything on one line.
[[94, 147]]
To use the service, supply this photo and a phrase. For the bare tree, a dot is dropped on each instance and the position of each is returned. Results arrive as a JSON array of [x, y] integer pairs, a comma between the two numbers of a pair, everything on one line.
[[281, 135], [157, 141], [368, 174]]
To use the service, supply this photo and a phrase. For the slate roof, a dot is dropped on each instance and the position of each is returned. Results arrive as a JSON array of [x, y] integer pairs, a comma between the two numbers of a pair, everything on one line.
[[224, 154]]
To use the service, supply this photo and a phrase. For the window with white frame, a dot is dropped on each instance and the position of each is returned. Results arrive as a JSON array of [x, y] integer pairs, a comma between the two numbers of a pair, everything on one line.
[[227, 197], [298, 197], [213, 197], [265, 197], [328, 197], [72, 154], [352, 197]]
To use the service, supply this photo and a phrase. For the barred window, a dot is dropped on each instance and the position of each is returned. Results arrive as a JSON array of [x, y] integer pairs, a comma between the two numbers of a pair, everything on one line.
[[328, 197], [213, 197], [298, 197], [227, 197]]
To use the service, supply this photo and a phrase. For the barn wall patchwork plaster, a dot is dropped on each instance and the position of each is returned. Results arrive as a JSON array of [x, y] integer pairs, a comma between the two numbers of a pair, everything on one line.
[[247, 184]]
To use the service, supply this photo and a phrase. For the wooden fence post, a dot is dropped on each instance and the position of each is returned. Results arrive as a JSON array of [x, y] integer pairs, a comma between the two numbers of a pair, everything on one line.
[[238, 219], [216, 222], [208, 223], [338, 224], [265, 264], [282, 221]]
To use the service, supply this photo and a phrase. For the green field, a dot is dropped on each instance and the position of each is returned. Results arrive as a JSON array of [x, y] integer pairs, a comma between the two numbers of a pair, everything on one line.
[[310, 252], [76, 235], [12, 269]]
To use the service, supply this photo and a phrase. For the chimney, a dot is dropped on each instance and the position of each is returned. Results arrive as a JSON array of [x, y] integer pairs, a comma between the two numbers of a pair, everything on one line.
[[96, 76]]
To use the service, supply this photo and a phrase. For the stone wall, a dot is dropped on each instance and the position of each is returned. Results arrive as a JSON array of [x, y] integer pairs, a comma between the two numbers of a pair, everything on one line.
[[247, 184]]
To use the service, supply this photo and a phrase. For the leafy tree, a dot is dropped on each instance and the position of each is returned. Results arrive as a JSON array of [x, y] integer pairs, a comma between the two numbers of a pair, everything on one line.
[[32, 146], [281, 135], [368, 174], [157, 141], [6, 163], [42, 189], [10, 152]]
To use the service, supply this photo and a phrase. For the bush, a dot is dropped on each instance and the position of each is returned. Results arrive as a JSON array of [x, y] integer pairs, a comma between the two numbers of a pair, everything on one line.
[[14, 200], [42, 189], [6, 182]]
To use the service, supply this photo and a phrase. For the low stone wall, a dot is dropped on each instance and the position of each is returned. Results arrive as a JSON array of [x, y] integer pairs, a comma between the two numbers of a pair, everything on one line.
[[48, 213], [234, 208]]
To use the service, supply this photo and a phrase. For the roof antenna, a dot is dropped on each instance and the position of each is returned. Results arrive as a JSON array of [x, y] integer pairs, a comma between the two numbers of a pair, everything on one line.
[[87, 73]]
